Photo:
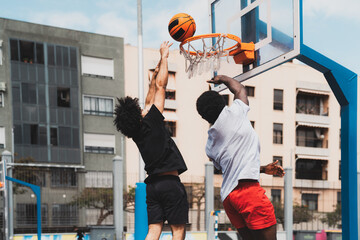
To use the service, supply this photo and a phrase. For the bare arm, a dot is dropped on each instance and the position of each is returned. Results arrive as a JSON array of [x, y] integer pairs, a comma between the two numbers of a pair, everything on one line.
[[162, 77], [273, 169], [151, 92], [234, 86]]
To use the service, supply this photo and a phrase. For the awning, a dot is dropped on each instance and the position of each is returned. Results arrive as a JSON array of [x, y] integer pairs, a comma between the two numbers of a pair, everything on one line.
[[317, 92], [315, 125], [170, 116], [300, 156]]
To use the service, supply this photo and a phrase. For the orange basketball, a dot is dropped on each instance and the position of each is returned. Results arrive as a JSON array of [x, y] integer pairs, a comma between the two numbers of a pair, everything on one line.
[[181, 27]]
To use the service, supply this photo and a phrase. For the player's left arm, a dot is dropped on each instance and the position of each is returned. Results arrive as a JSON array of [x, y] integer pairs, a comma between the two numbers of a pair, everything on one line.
[[162, 77], [273, 169]]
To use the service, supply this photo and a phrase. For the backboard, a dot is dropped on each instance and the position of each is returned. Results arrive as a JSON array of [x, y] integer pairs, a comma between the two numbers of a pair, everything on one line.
[[273, 25]]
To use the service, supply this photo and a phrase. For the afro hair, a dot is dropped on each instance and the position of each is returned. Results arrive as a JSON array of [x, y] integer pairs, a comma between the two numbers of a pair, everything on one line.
[[209, 105], [128, 116]]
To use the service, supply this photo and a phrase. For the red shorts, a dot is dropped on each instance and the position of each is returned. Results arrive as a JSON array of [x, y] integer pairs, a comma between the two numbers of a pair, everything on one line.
[[248, 206]]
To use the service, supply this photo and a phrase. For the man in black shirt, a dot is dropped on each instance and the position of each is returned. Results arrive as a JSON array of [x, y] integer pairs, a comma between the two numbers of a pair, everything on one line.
[[166, 197]]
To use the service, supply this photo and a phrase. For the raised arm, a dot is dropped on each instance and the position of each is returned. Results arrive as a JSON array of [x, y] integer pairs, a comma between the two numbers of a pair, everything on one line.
[[162, 77], [149, 100], [234, 86]]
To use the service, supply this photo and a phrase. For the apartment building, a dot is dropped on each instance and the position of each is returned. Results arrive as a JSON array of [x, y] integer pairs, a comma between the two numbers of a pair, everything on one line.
[[58, 89]]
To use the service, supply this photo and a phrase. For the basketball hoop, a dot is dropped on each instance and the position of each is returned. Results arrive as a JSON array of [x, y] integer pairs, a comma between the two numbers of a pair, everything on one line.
[[212, 49]]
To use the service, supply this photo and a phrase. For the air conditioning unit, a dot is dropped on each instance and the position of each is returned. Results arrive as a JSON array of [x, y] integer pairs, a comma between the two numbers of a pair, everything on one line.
[[2, 87]]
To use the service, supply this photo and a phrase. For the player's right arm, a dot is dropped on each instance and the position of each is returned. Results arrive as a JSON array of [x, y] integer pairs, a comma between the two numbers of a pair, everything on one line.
[[234, 86], [162, 77]]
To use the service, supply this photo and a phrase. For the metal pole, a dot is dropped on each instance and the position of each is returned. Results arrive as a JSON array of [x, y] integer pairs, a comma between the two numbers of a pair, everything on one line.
[[141, 77], [11, 205], [118, 186], [288, 205], [209, 199], [141, 223], [4, 156], [358, 184]]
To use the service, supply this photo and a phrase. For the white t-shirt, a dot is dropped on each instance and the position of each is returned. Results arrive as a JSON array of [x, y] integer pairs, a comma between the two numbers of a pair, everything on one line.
[[234, 147]]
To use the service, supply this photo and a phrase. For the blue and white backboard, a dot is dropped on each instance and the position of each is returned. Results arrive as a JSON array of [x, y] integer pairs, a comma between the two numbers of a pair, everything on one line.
[[273, 25]]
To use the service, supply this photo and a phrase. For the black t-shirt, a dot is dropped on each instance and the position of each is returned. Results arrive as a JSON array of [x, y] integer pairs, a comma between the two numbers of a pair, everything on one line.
[[157, 148]]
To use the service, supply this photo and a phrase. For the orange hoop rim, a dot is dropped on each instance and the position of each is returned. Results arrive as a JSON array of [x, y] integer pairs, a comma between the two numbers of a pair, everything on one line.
[[230, 51]]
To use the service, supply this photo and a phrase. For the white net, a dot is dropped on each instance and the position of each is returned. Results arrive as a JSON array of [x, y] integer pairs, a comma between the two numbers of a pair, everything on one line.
[[206, 59]]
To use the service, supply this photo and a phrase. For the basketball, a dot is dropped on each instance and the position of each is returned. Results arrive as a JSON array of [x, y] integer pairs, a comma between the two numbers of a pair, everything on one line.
[[181, 27]]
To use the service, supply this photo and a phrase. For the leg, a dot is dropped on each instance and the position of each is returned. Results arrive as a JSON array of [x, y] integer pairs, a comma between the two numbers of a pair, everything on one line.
[[178, 231], [266, 233], [154, 231], [245, 233]]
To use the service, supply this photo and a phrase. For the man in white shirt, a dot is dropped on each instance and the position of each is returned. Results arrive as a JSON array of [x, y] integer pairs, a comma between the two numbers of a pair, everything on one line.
[[234, 148]]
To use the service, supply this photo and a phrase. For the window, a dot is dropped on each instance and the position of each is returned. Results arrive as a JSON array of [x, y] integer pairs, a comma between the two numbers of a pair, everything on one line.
[[27, 52], [310, 201], [340, 170], [26, 214], [99, 143], [311, 169], [27, 174], [98, 179], [170, 94], [63, 178], [54, 136], [310, 137], [280, 163], [2, 137], [278, 158], [339, 198], [97, 67], [98, 106], [278, 99], [277, 133], [28, 93], [1, 99], [276, 195], [315, 104], [171, 127], [63, 97], [250, 91], [64, 214], [252, 124]]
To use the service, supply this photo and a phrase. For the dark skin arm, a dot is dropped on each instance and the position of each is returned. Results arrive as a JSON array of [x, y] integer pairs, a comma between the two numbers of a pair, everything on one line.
[[234, 86], [273, 169]]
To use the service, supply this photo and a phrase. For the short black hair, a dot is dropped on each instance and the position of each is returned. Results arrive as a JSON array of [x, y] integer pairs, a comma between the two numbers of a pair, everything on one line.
[[128, 117], [209, 105]]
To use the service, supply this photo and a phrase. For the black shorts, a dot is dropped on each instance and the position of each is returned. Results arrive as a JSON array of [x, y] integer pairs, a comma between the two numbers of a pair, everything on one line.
[[166, 199]]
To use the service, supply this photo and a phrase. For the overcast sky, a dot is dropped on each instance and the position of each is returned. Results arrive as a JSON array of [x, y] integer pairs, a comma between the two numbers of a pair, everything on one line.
[[331, 27]]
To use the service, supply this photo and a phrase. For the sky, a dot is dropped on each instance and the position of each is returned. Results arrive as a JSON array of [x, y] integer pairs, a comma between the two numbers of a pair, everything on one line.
[[331, 27]]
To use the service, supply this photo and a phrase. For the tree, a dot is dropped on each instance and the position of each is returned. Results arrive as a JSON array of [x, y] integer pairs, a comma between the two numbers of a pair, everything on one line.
[[300, 213], [29, 174], [103, 199], [197, 196], [333, 219]]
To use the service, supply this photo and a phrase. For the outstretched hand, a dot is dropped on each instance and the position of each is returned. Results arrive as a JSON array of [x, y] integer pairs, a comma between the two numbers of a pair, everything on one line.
[[274, 169], [218, 79], [164, 49]]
